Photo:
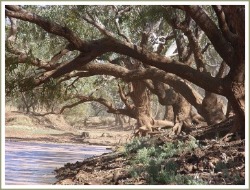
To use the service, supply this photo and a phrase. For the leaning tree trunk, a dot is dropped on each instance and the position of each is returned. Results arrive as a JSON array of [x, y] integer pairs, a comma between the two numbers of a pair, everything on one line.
[[141, 100], [181, 108], [212, 108], [140, 97]]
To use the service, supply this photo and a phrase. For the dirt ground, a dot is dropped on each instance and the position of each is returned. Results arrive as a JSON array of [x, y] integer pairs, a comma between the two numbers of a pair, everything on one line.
[[53, 128]]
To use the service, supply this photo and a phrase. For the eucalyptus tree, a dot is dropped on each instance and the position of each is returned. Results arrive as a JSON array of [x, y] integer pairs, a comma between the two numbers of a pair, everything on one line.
[[146, 46]]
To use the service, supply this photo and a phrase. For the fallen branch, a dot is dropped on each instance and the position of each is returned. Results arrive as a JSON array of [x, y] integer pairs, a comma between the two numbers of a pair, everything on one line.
[[212, 131]]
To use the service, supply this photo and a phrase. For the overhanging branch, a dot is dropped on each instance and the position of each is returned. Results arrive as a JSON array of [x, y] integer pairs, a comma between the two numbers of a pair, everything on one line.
[[106, 103], [49, 26], [98, 47], [221, 45]]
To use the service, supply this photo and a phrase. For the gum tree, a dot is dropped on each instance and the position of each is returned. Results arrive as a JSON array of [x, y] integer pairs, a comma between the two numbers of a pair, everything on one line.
[[134, 43]]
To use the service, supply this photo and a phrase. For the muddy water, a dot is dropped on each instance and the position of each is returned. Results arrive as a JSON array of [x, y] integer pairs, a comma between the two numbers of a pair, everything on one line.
[[30, 163]]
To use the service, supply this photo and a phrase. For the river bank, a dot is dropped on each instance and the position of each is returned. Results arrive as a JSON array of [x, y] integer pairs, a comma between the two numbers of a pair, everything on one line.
[[52, 128], [189, 160], [159, 161]]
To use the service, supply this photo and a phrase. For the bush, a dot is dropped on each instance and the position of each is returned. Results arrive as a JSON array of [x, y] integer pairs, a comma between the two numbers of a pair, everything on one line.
[[155, 163], [135, 145]]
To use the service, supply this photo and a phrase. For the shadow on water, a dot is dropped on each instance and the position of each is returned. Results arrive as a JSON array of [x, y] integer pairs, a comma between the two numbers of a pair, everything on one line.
[[31, 163]]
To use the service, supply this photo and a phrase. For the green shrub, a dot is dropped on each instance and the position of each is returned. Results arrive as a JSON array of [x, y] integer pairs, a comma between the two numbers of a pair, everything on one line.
[[142, 156], [135, 145], [168, 175], [150, 161]]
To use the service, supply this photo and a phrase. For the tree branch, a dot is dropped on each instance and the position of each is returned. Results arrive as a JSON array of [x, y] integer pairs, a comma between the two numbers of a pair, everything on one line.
[[120, 31], [98, 47], [231, 37], [193, 41], [118, 14], [51, 27], [221, 45], [66, 67], [169, 65], [106, 103], [24, 57], [150, 73], [124, 98], [13, 30], [12, 38], [97, 23], [59, 55]]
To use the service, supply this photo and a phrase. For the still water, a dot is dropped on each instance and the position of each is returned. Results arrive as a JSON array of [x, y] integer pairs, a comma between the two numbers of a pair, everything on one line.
[[30, 163]]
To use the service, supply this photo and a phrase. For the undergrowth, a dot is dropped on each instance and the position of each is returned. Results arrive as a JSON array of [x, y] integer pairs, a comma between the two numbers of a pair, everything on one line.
[[156, 164]]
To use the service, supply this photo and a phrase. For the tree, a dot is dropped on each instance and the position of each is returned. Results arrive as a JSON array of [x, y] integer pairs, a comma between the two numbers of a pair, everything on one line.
[[102, 40]]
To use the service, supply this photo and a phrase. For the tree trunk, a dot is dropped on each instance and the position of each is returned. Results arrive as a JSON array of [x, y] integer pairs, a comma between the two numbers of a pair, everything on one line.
[[212, 109], [237, 100], [229, 112], [118, 121], [140, 97], [182, 115], [169, 113], [25, 102], [181, 107], [235, 17]]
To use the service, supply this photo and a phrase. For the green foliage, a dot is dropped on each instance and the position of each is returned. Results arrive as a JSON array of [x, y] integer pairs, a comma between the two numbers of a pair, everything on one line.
[[91, 86], [11, 62], [221, 166], [155, 163], [38, 43], [142, 156], [78, 114], [135, 145], [239, 180]]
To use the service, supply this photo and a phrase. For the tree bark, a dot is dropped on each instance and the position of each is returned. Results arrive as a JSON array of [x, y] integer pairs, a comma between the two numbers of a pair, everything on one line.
[[212, 109], [237, 99], [182, 115], [169, 113], [140, 97]]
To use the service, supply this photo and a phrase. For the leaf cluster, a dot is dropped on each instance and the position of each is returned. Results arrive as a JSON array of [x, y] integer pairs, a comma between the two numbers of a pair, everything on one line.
[[156, 163]]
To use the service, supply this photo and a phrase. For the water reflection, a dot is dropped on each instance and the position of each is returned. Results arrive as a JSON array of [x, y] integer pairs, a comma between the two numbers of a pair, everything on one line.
[[30, 163]]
